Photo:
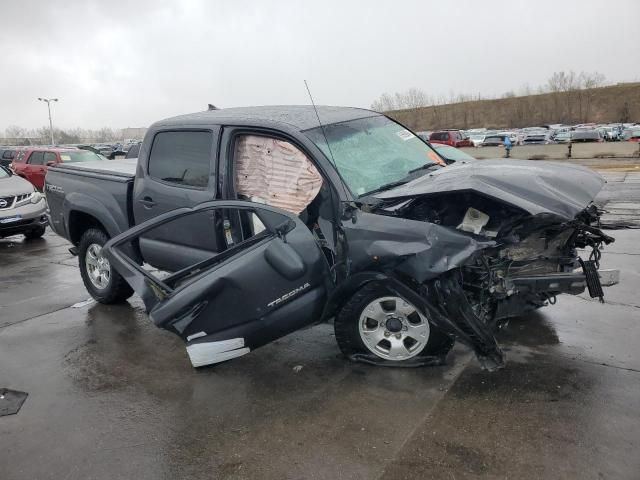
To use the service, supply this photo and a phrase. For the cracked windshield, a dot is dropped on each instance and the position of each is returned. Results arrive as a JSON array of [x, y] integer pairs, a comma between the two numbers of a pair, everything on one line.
[[373, 153]]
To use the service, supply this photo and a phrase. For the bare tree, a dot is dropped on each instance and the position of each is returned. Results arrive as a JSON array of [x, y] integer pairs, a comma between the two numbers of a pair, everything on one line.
[[385, 103], [625, 113], [14, 131], [564, 97], [589, 82], [409, 99], [106, 134], [415, 98]]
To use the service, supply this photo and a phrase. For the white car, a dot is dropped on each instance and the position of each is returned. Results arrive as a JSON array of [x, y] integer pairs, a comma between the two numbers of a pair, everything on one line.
[[477, 139], [22, 208]]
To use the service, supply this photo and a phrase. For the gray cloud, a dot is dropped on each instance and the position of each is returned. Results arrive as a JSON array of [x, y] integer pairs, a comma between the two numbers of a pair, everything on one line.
[[129, 63]]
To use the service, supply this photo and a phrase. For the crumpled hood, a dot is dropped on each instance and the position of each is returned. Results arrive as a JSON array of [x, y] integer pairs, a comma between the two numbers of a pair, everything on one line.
[[14, 185], [534, 186]]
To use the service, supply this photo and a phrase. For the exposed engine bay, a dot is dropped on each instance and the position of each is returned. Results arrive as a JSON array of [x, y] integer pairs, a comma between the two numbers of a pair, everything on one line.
[[531, 259]]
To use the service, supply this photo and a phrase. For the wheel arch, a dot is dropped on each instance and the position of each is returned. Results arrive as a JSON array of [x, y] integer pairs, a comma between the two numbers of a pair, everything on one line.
[[79, 222], [341, 295], [83, 212]]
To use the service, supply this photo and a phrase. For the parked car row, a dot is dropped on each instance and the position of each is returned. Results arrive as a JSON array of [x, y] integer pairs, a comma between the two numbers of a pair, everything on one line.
[[112, 151], [32, 163], [548, 134], [22, 178], [631, 134]]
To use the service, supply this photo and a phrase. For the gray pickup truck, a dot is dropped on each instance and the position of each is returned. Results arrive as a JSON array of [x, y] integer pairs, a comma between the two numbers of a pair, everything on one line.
[[238, 226]]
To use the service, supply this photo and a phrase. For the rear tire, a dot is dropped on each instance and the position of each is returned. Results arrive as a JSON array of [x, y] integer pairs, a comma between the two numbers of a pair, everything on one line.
[[413, 337], [100, 279], [35, 233]]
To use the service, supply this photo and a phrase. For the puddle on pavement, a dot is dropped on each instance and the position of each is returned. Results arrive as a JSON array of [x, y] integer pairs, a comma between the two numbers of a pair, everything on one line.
[[532, 330], [124, 350], [538, 379]]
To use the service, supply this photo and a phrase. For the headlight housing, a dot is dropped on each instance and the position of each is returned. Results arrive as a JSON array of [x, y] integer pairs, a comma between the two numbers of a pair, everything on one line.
[[36, 197]]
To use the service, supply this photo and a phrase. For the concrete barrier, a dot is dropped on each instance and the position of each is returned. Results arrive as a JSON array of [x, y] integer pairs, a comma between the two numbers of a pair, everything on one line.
[[559, 151]]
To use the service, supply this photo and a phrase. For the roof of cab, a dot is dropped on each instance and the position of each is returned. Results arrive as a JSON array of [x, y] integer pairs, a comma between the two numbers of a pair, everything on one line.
[[302, 117]]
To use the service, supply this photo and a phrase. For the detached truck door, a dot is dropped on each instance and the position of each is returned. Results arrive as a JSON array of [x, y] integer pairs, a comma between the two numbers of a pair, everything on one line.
[[176, 168], [273, 282]]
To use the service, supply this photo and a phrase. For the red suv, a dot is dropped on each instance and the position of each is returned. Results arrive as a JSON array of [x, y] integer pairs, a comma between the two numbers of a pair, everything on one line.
[[453, 138], [32, 163]]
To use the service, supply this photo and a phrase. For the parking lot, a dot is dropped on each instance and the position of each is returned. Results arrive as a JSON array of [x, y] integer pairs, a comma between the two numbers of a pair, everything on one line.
[[111, 396]]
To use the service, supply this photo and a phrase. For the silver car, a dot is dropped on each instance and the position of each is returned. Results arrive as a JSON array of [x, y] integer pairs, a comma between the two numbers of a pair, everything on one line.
[[22, 208]]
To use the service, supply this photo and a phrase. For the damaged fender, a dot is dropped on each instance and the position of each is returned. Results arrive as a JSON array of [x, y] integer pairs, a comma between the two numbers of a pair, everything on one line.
[[428, 256], [419, 250]]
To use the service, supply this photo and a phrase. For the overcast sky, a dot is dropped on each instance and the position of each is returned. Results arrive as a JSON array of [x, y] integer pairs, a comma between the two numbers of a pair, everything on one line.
[[128, 63]]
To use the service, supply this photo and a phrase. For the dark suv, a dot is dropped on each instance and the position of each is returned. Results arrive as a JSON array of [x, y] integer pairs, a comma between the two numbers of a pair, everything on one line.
[[7, 154]]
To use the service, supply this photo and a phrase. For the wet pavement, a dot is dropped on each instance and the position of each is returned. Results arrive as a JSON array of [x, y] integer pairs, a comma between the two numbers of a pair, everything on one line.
[[621, 199], [111, 396]]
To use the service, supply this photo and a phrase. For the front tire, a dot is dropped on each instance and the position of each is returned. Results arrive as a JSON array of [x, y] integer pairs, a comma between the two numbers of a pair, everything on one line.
[[100, 279], [378, 324]]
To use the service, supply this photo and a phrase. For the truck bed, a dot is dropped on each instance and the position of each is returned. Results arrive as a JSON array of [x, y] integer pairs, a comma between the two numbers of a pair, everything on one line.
[[120, 168], [100, 189]]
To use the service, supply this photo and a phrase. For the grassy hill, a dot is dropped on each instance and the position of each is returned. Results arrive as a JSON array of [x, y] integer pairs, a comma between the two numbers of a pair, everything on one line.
[[616, 103]]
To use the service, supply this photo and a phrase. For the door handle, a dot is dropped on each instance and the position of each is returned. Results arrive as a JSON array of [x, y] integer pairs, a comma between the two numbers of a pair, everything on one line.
[[147, 202]]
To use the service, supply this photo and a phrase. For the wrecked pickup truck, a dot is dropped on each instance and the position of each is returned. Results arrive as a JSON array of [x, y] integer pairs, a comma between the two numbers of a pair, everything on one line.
[[239, 226]]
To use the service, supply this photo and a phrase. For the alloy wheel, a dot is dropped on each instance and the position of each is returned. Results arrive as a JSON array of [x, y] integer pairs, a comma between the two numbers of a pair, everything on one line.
[[393, 329]]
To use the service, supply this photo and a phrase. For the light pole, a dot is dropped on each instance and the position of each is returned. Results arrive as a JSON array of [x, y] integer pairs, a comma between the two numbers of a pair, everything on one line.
[[49, 100]]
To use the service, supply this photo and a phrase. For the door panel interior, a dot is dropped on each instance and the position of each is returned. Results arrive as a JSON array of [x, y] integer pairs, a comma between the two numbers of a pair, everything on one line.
[[183, 242]]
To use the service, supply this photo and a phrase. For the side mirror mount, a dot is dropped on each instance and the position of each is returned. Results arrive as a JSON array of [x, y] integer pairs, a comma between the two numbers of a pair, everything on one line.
[[51, 163], [283, 228]]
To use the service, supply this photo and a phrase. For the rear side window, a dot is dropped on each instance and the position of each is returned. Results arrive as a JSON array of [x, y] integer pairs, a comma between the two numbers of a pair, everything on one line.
[[183, 158], [8, 154], [36, 158], [49, 157], [439, 136], [133, 151]]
